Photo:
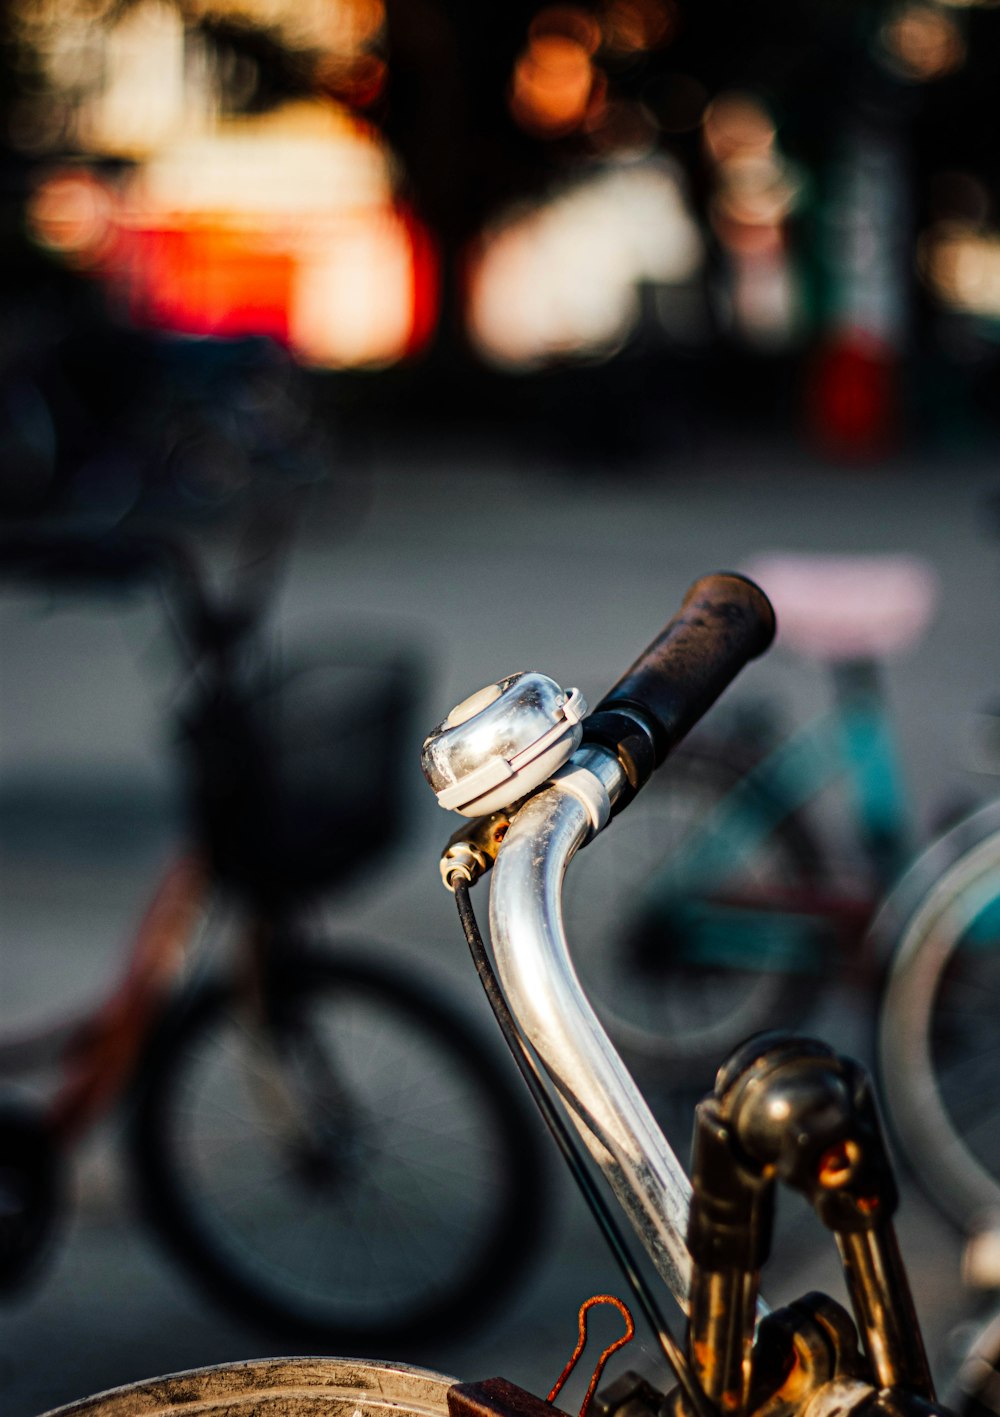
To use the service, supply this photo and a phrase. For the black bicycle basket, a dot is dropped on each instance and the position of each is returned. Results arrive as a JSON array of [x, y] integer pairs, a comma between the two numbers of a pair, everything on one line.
[[295, 775]]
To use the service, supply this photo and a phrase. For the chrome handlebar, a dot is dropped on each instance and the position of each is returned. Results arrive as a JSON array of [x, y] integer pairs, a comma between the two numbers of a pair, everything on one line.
[[537, 974], [499, 747]]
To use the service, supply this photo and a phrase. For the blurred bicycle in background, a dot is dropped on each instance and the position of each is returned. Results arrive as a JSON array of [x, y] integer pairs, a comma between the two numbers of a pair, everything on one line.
[[319, 1135], [739, 919]]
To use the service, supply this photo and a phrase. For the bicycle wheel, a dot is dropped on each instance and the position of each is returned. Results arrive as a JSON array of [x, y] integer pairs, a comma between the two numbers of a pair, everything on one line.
[[305, 1387], [975, 1388], [938, 1042], [356, 1168], [669, 924]]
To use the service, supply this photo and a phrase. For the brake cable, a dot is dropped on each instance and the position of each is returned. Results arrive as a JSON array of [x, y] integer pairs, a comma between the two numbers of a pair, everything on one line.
[[526, 1061]]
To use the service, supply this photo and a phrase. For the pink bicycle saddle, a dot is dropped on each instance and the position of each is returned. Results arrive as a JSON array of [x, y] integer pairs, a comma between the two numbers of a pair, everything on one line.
[[847, 607]]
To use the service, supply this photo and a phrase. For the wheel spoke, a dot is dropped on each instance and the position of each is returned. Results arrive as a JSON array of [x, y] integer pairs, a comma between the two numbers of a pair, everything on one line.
[[347, 1162]]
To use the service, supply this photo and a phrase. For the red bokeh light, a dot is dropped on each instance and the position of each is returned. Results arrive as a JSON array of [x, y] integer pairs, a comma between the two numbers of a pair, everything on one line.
[[852, 396]]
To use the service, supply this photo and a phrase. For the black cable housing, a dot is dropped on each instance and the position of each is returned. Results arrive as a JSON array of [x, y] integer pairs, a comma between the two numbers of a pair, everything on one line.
[[692, 1395]]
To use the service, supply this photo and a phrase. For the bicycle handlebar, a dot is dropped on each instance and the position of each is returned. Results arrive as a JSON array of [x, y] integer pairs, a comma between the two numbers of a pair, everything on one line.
[[725, 620], [709, 1252]]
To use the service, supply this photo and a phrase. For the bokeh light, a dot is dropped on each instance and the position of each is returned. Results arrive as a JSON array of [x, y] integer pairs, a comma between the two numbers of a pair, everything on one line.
[[555, 83], [284, 222], [962, 266], [737, 125], [73, 213], [923, 42], [560, 278], [755, 192], [635, 26]]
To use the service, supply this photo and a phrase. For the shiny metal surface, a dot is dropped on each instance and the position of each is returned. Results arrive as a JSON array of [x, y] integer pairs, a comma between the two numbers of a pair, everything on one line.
[[506, 738], [883, 1306], [305, 1387], [535, 968], [720, 1337]]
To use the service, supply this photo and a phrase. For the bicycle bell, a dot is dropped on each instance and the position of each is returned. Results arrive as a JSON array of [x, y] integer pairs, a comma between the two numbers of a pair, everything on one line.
[[501, 742]]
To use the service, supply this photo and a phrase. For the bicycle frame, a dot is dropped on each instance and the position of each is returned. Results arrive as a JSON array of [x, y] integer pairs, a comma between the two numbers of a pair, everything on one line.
[[97, 1052], [104, 1050], [853, 744]]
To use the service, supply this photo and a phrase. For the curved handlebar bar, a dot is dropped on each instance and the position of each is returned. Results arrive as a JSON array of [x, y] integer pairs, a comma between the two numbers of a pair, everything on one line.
[[724, 621], [537, 974]]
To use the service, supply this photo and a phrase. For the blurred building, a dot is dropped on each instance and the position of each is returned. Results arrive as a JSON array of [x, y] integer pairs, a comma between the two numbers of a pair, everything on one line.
[[609, 223]]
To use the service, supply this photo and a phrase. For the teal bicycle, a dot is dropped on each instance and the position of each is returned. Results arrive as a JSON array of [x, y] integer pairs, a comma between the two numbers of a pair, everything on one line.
[[737, 920]]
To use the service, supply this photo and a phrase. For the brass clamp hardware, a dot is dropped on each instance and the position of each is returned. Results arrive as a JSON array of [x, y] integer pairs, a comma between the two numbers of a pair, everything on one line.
[[471, 850], [792, 1110]]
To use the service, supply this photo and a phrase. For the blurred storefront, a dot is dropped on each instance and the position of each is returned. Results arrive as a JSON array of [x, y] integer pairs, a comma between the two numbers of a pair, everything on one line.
[[616, 225]]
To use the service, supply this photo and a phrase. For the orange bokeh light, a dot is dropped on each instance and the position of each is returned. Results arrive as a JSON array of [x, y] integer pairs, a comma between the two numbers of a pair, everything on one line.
[[206, 281], [366, 295], [633, 26], [755, 197], [961, 264], [923, 43], [73, 213], [553, 85], [359, 82], [285, 225], [567, 22]]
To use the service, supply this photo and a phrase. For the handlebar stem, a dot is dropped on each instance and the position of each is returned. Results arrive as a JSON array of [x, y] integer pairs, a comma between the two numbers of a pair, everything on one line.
[[791, 1109]]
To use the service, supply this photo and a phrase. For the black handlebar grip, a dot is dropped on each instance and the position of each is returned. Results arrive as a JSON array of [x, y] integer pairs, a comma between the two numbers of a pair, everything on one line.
[[725, 620]]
